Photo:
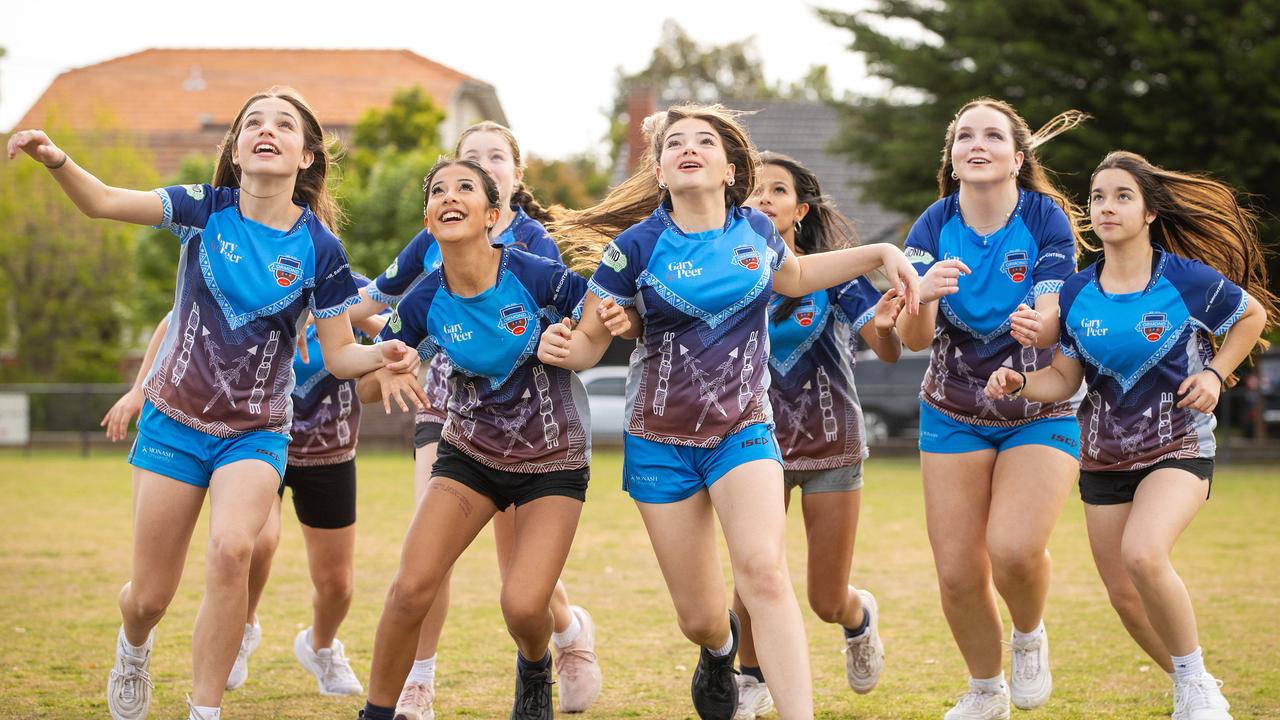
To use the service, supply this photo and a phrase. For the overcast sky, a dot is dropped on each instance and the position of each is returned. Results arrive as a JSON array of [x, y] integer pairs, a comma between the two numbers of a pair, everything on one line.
[[552, 62]]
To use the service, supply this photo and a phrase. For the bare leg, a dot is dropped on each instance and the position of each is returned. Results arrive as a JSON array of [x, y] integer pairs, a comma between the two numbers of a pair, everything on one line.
[[264, 551], [544, 530], [331, 560], [433, 624]]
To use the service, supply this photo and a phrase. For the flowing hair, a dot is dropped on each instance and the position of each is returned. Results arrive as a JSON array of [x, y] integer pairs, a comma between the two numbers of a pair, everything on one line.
[[824, 227], [1202, 218], [585, 233], [312, 185], [521, 197], [1032, 175]]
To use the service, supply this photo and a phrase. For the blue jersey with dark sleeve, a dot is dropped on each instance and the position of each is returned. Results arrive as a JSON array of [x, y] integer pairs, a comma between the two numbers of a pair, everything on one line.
[[699, 373], [1030, 256], [244, 291], [506, 409], [811, 364], [421, 256], [1136, 349]]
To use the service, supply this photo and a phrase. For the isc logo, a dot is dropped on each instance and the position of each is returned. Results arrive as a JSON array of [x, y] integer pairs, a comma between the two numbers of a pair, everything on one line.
[[756, 441]]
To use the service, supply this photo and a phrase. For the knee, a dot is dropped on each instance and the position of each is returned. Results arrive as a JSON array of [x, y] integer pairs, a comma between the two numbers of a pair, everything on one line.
[[958, 581], [1126, 602], [144, 605], [829, 605], [264, 548], [410, 597], [762, 577], [1011, 560], [703, 626], [228, 557], [335, 586], [1142, 561], [525, 614]]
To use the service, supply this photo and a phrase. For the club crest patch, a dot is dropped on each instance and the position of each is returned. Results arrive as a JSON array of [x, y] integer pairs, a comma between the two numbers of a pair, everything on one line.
[[515, 319], [287, 269], [804, 312], [1015, 265], [1153, 326], [746, 256]]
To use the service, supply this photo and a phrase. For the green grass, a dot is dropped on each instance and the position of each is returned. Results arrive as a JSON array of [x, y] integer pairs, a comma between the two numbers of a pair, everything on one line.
[[65, 550]]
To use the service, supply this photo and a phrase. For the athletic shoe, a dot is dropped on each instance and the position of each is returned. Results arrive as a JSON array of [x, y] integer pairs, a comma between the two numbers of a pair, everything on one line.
[[714, 690], [415, 703], [329, 665], [1200, 698], [576, 667], [533, 693], [248, 643], [864, 655], [979, 705], [754, 699], [1031, 682], [129, 684], [194, 714]]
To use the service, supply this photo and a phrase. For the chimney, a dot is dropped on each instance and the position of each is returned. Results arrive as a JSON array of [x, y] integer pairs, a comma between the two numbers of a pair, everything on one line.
[[642, 101]]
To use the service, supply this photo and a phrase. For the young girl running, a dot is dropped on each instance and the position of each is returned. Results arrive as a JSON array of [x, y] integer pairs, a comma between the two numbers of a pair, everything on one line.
[[1181, 265], [256, 259], [819, 420], [996, 473], [699, 268], [515, 433], [519, 225]]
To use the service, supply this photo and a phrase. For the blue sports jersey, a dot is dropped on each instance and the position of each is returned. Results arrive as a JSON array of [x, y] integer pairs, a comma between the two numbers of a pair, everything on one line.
[[1030, 256], [421, 256], [244, 291], [506, 409], [699, 373], [1136, 349], [811, 363]]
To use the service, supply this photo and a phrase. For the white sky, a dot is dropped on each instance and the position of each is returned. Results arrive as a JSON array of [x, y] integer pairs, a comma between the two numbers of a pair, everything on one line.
[[552, 62]]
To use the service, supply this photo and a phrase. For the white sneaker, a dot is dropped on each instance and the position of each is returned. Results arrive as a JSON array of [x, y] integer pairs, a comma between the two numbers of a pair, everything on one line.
[[129, 684], [1031, 683], [329, 665], [979, 705], [415, 703], [577, 670], [864, 655], [754, 699], [248, 643], [1200, 699]]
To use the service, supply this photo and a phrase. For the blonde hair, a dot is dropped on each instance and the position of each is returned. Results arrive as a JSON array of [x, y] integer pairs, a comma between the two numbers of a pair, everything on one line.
[[585, 233], [520, 196]]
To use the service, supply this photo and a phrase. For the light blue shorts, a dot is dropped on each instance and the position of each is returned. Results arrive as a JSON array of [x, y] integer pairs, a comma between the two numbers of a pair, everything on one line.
[[654, 472], [942, 434], [167, 447]]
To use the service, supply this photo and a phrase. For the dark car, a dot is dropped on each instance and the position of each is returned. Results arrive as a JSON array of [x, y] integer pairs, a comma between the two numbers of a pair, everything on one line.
[[889, 393]]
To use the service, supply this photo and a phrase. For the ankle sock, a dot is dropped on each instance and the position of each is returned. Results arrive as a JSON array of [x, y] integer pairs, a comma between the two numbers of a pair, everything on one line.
[[851, 633], [753, 671], [424, 671], [377, 712], [562, 639], [1021, 638], [988, 685], [1188, 666]]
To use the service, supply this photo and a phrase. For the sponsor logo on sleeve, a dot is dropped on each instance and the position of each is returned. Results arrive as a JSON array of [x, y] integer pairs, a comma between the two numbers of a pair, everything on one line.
[[392, 269], [613, 258], [917, 256], [394, 322], [195, 192]]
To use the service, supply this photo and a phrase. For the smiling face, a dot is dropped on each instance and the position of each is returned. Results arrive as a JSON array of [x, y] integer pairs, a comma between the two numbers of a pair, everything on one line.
[[693, 158], [458, 208], [983, 149], [271, 141], [1116, 208], [776, 197], [495, 155]]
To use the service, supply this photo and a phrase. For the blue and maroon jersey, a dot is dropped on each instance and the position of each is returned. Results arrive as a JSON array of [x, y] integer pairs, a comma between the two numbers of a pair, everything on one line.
[[506, 409], [811, 362], [1136, 349], [225, 366], [699, 373], [421, 256], [1030, 256]]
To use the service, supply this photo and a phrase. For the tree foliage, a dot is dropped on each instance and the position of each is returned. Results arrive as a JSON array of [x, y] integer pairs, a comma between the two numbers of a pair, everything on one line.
[[156, 256], [574, 183]]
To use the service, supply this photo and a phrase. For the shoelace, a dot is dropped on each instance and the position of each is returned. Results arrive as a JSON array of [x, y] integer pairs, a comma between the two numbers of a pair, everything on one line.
[[338, 668], [571, 661], [721, 681], [132, 675], [535, 695], [862, 651], [1029, 654], [416, 694], [1198, 693], [973, 699]]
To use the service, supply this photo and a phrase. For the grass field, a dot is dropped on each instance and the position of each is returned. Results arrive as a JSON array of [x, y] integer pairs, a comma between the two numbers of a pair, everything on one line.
[[64, 553]]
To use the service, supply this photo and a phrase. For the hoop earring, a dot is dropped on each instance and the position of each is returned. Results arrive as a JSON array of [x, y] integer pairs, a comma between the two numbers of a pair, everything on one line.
[[798, 227], [730, 181], [662, 185], [954, 176]]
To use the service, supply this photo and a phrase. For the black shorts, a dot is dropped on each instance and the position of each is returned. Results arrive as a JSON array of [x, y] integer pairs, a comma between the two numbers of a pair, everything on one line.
[[508, 488], [426, 432], [1119, 487], [324, 496]]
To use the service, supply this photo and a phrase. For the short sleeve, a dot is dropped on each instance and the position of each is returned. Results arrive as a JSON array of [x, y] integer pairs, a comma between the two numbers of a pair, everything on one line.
[[537, 240], [618, 271], [1214, 302], [568, 288], [186, 209], [408, 323], [857, 300], [1055, 260], [403, 272], [921, 247], [335, 289]]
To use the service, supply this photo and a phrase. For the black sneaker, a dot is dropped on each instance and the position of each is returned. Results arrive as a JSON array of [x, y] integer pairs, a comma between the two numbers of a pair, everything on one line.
[[714, 690], [533, 690]]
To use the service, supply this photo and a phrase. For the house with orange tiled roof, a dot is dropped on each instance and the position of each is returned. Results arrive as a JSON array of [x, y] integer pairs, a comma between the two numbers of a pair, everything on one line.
[[179, 102]]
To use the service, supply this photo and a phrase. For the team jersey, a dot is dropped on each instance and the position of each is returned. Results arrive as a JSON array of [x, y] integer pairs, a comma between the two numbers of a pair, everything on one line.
[[244, 291], [699, 373], [811, 363], [1030, 256], [421, 256], [506, 409], [1136, 350]]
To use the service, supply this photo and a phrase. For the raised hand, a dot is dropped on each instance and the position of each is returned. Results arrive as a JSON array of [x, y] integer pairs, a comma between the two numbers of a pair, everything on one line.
[[36, 144], [553, 346], [942, 279]]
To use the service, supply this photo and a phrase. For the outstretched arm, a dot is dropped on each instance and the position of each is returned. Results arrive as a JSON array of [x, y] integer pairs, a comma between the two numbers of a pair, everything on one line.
[[345, 358], [93, 197], [801, 275]]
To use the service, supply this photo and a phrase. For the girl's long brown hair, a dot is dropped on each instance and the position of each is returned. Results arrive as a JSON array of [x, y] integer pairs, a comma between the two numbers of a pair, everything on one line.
[[583, 234], [1201, 218], [312, 186], [1032, 175], [520, 196]]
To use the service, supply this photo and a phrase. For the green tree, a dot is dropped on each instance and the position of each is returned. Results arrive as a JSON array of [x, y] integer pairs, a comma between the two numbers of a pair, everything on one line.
[[156, 255], [66, 281], [1191, 85], [575, 182], [381, 180]]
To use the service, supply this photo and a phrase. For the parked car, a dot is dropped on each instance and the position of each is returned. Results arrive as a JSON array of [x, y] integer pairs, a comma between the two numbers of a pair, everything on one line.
[[606, 396], [889, 393]]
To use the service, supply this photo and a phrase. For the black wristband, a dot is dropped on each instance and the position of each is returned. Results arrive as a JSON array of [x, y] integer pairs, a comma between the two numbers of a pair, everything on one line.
[[60, 163], [1217, 375], [1014, 395]]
